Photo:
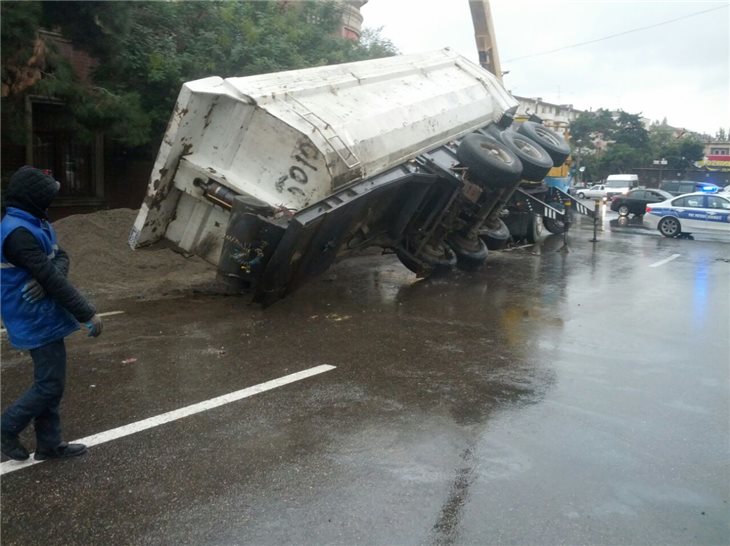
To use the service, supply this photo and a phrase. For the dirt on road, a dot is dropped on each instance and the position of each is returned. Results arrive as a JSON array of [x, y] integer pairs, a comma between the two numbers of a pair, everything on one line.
[[104, 267]]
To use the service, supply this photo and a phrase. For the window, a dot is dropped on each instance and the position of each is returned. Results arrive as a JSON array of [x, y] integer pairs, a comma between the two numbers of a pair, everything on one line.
[[57, 149], [715, 202], [693, 201]]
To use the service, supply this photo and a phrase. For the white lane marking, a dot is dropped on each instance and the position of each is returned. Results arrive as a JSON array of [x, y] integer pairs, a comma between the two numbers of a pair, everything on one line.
[[151, 422], [665, 260], [111, 313], [107, 314]]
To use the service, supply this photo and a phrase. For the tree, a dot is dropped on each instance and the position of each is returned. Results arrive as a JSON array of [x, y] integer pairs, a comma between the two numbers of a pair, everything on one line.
[[592, 125], [626, 142], [680, 150], [631, 132], [146, 50]]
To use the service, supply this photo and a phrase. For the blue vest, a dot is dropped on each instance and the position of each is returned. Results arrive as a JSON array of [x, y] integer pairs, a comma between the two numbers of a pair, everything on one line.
[[30, 325]]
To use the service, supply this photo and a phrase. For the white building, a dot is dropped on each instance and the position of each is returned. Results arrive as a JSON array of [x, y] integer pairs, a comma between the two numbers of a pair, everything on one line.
[[556, 116]]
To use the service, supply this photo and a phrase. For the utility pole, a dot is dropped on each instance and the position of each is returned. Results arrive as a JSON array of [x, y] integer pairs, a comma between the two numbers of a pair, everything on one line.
[[481, 16]]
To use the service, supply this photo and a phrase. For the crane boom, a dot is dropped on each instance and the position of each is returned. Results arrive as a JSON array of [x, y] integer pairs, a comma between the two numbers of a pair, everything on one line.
[[481, 16]]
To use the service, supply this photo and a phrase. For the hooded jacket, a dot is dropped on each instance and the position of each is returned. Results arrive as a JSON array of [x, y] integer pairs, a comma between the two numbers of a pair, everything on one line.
[[29, 250]]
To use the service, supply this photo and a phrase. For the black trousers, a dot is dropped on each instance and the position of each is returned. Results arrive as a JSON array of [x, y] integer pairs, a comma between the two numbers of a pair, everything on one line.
[[41, 403]]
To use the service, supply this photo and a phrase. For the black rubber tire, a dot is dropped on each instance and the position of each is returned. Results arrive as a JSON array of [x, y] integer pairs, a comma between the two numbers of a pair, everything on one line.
[[489, 161], [669, 226], [470, 254], [536, 162], [496, 236], [535, 228], [554, 226], [581, 195], [553, 143], [623, 210], [435, 261]]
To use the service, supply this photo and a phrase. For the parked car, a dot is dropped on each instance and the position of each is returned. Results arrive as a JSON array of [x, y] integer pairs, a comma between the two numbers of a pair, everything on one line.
[[576, 187], [597, 191], [692, 213], [680, 187], [635, 201]]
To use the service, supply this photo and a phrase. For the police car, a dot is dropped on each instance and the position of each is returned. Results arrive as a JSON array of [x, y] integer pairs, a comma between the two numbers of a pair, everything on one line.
[[691, 213]]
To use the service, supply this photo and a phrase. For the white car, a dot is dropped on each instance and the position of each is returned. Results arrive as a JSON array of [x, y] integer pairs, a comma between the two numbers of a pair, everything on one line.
[[691, 213], [596, 191]]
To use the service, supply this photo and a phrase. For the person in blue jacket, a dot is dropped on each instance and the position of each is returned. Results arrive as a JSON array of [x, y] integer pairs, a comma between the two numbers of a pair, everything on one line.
[[40, 307]]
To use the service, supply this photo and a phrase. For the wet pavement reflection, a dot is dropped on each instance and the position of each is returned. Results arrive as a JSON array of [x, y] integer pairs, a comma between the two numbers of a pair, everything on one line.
[[550, 398]]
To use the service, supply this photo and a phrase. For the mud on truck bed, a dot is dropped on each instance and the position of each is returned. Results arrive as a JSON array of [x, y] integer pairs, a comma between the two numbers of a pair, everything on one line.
[[271, 178]]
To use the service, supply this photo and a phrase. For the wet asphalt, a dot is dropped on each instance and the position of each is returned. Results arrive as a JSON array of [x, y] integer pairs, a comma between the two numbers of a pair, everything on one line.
[[576, 397]]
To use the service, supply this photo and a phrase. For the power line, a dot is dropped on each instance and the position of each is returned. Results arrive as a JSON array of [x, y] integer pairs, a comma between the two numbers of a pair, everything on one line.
[[614, 35]]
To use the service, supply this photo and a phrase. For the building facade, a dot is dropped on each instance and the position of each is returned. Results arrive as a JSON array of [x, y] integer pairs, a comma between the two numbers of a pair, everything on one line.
[[556, 116]]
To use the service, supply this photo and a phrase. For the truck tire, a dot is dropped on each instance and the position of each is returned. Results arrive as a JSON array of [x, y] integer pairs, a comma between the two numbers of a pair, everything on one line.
[[553, 143], [554, 226], [435, 260], [495, 236], [470, 254], [536, 162], [489, 161], [534, 230]]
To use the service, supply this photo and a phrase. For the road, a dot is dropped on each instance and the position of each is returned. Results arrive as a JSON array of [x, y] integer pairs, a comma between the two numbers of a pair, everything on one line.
[[552, 398]]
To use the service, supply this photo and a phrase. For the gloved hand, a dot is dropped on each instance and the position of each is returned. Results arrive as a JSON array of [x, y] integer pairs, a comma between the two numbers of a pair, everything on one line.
[[95, 326], [33, 291]]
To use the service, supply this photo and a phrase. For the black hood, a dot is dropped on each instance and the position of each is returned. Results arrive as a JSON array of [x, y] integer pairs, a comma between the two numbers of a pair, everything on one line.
[[31, 190]]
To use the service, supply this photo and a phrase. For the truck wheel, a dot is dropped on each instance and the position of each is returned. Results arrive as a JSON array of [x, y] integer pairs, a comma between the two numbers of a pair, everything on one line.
[[489, 161], [470, 253], [435, 260], [669, 226], [534, 230], [554, 226], [496, 235], [535, 160], [552, 142]]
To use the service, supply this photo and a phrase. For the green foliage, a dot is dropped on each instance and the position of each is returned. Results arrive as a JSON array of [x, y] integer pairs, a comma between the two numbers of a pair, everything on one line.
[[680, 150], [147, 49], [628, 145], [18, 23], [591, 125], [631, 132]]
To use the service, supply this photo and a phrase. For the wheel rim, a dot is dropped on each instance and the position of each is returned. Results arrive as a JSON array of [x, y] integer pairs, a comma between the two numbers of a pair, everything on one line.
[[547, 136], [538, 225], [496, 151], [527, 148], [623, 210], [669, 226]]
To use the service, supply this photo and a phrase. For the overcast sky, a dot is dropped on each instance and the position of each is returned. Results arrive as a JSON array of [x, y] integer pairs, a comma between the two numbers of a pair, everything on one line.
[[679, 70]]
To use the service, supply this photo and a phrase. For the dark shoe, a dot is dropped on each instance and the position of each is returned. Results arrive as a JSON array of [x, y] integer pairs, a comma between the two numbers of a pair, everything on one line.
[[11, 447], [62, 451]]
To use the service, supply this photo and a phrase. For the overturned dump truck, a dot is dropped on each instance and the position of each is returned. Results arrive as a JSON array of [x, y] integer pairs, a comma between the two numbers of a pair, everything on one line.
[[271, 178]]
